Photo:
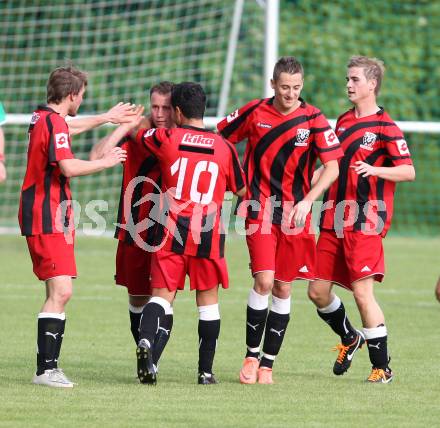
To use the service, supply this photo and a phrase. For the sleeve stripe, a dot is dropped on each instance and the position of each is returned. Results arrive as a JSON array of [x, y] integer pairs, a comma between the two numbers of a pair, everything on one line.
[[317, 130], [328, 149], [52, 157], [399, 157], [235, 124], [236, 164]]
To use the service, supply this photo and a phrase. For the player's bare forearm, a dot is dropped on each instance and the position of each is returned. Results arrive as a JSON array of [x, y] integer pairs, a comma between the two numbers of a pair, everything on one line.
[[327, 176], [119, 113], [101, 148], [106, 144], [145, 123], [82, 124], [3, 173], [316, 174], [301, 210], [78, 167], [391, 173]]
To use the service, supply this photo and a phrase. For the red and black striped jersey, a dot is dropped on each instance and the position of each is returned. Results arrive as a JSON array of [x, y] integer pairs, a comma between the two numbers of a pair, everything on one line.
[[197, 167], [361, 203], [45, 200], [281, 152], [140, 193]]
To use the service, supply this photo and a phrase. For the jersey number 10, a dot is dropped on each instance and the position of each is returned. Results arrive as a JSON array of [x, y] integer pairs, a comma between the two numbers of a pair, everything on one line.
[[201, 166]]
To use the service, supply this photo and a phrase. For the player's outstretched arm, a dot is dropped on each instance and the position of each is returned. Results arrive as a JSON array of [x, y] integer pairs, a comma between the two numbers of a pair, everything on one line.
[[120, 113], [391, 173], [316, 174], [104, 145], [329, 173], [77, 167]]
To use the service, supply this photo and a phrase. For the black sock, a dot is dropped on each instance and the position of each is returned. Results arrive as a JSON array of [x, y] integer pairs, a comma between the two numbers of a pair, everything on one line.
[[162, 336], [276, 326], [255, 322], [208, 335], [377, 349], [149, 324], [135, 320], [49, 332], [59, 342], [339, 323]]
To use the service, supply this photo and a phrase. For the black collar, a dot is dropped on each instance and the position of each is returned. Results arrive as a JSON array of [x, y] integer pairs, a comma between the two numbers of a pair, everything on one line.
[[44, 107], [302, 105], [195, 128], [379, 112]]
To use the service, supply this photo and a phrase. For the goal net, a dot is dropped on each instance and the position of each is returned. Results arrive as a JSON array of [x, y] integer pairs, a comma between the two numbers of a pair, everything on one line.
[[128, 46], [125, 47]]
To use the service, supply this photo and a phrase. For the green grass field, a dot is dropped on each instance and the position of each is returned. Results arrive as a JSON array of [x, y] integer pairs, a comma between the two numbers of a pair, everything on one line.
[[99, 353]]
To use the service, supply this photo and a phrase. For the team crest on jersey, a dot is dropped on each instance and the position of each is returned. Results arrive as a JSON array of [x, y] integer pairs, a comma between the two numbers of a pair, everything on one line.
[[368, 141], [61, 141], [34, 118], [197, 140], [302, 135], [150, 132], [232, 116]]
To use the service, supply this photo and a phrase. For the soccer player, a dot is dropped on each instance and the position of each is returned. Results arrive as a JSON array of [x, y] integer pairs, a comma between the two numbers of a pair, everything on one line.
[[197, 166], [357, 215], [133, 261], [45, 213], [2, 146], [285, 136]]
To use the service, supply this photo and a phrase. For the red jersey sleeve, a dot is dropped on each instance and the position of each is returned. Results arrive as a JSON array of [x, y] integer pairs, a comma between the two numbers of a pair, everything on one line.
[[152, 139], [59, 139], [235, 126], [397, 147], [326, 142], [235, 173]]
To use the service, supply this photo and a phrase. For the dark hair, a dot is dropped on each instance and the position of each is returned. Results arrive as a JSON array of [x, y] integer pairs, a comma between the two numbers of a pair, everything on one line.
[[163, 88], [190, 98], [64, 81], [287, 64]]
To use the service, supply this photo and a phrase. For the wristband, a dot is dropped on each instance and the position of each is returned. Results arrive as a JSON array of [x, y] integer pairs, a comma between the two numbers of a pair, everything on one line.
[[2, 157]]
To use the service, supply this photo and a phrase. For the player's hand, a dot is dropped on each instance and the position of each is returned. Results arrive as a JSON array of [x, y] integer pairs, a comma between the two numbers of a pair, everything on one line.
[[146, 123], [300, 212], [114, 157], [135, 120], [364, 169], [121, 113], [2, 172]]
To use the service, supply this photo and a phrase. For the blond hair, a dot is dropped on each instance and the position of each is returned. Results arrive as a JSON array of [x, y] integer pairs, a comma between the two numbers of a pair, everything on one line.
[[373, 68]]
